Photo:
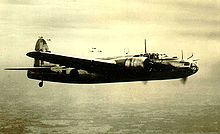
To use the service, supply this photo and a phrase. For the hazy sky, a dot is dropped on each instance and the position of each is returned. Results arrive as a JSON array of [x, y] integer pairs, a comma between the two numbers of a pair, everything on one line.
[[74, 26]]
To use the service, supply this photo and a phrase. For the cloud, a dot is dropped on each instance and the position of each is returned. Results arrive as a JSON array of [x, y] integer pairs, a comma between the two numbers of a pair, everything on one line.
[[214, 22], [201, 34], [38, 2], [18, 2]]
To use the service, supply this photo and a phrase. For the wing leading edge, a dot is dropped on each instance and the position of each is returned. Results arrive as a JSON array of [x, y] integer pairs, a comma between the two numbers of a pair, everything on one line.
[[97, 66]]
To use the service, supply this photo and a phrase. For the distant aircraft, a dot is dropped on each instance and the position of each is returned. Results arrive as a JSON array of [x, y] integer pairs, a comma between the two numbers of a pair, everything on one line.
[[141, 67]]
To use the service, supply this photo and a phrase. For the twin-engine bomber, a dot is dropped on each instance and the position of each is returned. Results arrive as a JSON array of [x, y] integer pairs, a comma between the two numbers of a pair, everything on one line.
[[142, 67]]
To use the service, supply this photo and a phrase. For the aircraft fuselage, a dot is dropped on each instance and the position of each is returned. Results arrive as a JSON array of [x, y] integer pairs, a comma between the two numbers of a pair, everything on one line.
[[134, 69]]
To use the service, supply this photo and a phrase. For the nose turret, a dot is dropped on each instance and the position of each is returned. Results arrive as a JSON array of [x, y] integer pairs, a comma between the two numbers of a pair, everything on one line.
[[194, 68]]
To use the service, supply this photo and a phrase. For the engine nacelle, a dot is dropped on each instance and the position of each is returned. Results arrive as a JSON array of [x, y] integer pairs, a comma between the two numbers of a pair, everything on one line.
[[73, 73], [135, 62]]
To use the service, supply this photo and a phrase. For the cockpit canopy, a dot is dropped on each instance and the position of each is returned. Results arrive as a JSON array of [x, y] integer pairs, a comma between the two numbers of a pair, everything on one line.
[[154, 56]]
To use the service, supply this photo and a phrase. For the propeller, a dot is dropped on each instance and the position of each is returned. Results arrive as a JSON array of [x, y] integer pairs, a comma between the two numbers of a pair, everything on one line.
[[188, 57], [190, 60]]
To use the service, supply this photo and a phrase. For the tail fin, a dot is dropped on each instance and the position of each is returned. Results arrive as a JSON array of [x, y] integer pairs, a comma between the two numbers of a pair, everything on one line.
[[41, 46]]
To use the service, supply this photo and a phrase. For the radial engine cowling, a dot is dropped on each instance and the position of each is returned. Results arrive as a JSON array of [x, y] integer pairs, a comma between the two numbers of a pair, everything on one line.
[[73, 73], [135, 62]]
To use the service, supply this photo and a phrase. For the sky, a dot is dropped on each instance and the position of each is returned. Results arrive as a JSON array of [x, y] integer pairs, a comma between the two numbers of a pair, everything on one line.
[[75, 26]]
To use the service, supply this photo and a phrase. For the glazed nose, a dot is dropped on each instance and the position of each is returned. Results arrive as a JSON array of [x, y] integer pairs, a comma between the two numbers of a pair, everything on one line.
[[194, 68]]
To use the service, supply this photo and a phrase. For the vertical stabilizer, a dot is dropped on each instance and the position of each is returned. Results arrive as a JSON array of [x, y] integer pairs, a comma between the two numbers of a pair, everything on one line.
[[41, 46]]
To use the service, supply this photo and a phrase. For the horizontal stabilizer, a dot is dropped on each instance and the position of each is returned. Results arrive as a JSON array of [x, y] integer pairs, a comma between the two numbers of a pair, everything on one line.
[[28, 68]]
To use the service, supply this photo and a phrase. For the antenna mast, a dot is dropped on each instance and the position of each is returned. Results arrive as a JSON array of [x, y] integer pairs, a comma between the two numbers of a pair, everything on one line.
[[145, 46]]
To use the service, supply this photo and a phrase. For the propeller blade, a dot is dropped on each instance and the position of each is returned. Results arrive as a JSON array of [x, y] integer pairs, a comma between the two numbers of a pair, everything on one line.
[[183, 80], [145, 82], [195, 60], [190, 56], [182, 54]]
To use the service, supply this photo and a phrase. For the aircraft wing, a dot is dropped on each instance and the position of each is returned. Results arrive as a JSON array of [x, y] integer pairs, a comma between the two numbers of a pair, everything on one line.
[[91, 65]]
